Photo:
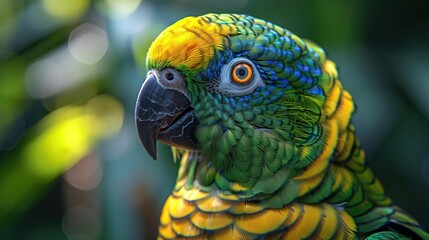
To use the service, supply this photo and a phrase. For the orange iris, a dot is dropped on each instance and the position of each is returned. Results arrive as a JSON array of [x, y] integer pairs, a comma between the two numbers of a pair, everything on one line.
[[242, 73]]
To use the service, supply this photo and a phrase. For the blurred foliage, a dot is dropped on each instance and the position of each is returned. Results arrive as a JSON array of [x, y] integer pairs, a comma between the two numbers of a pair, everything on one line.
[[71, 165]]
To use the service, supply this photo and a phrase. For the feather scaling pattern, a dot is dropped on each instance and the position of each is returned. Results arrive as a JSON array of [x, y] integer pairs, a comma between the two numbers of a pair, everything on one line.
[[281, 162]]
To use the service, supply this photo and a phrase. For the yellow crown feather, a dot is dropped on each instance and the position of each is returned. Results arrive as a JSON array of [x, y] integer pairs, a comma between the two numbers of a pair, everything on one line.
[[190, 43]]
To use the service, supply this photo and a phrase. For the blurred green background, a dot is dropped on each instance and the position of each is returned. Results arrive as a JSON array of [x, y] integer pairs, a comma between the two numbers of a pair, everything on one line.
[[71, 165]]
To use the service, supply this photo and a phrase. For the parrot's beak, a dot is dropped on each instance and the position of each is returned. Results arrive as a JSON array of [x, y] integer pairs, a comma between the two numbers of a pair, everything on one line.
[[164, 114]]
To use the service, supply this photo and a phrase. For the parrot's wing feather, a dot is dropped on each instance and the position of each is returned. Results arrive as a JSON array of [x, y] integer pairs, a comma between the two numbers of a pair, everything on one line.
[[386, 235], [403, 223]]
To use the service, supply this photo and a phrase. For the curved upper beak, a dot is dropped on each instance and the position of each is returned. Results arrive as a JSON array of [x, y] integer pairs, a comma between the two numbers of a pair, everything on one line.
[[164, 114]]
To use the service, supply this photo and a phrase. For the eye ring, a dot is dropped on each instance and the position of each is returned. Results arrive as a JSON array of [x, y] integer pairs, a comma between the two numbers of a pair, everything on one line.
[[242, 73], [226, 84]]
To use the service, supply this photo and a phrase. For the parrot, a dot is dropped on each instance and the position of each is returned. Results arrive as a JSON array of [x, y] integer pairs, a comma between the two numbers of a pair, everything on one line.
[[261, 125]]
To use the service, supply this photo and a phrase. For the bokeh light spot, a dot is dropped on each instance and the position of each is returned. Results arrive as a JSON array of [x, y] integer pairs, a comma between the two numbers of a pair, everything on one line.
[[66, 135], [66, 10], [108, 112], [88, 43], [60, 145], [122, 7], [45, 78], [81, 223], [86, 174]]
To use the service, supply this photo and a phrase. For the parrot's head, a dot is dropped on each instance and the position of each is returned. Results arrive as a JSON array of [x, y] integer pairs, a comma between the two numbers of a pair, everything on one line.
[[232, 87]]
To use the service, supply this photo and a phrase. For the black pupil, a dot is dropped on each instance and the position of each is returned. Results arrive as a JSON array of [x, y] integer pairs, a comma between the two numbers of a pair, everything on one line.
[[241, 72], [169, 76]]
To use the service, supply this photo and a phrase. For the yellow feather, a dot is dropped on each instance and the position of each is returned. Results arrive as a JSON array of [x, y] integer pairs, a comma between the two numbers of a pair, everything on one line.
[[345, 144], [321, 162], [190, 42], [213, 204], [230, 233], [211, 221], [165, 216], [180, 192], [237, 187], [292, 234], [342, 178], [349, 225], [246, 208], [293, 214], [340, 235], [167, 232], [313, 175], [194, 194], [185, 228], [307, 185], [228, 196], [180, 183], [332, 99], [344, 110], [260, 223], [310, 221], [180, 208], [329, 223]]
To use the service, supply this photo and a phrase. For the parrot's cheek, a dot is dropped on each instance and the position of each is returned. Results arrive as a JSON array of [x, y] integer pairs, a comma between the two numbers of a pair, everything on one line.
[[164, 114]]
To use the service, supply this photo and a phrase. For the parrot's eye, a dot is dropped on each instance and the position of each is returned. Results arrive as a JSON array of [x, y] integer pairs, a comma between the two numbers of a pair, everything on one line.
[[238, 77], [242, 73]]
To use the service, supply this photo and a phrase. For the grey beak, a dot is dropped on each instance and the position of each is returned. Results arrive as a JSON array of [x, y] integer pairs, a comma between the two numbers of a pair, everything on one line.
[[164, 114]]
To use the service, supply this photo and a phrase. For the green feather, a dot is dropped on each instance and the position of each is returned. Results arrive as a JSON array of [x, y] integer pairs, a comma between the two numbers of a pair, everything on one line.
[[386, 235]]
